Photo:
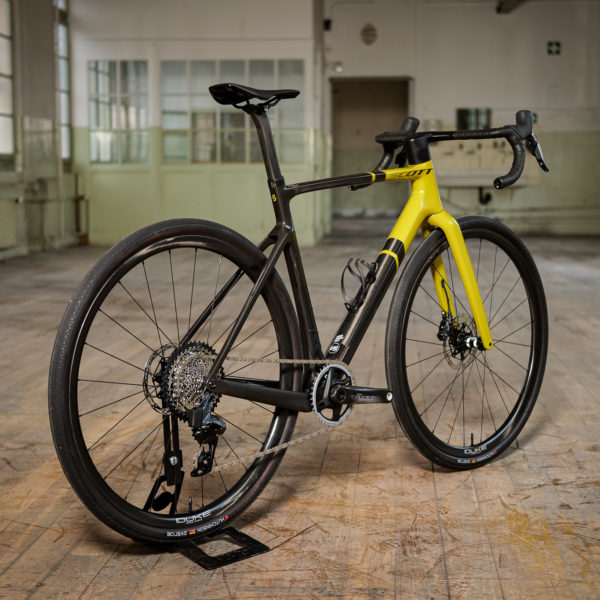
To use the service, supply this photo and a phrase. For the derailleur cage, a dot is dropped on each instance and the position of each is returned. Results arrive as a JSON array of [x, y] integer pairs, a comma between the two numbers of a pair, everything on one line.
[[207, 434]]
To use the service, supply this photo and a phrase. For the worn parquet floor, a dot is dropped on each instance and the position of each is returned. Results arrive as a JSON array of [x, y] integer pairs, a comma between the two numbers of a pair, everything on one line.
[[356, 513]]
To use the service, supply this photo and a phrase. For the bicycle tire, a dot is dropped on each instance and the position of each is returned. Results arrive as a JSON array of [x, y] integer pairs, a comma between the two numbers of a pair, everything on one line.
[[125, 312], [461, 408]]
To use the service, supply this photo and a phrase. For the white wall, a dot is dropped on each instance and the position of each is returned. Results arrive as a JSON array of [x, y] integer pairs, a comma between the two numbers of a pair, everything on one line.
[[464, 54], [156, 30], [125, 197]]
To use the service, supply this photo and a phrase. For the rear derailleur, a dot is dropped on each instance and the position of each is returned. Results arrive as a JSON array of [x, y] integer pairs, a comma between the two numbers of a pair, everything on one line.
[[210, 426]]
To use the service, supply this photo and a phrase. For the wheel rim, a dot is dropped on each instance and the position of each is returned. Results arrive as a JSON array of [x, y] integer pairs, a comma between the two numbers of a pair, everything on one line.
[[144, 310], [468, 401]]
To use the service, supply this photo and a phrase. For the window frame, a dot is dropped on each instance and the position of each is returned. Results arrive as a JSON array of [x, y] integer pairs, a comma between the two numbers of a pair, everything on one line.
[[8, 159], [112, 101], [244, 129], [62, 19]]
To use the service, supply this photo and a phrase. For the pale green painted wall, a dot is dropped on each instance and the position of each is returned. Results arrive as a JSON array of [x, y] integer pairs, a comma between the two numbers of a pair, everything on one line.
[[123, 198], [564, 201]]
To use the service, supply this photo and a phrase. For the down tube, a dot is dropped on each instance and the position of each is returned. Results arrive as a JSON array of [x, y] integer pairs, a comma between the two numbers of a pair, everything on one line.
[[352, 330]]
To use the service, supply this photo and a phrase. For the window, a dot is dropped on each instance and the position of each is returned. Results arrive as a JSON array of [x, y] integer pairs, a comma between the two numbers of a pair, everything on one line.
[[118, 93], [197, 129], [7, 137], [63, 81]]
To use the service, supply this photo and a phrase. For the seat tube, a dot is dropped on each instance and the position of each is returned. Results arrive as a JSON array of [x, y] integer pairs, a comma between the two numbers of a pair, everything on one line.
[[267, 144]]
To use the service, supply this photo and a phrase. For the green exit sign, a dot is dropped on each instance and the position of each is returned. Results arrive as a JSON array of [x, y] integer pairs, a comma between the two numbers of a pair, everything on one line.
[[553, 48]]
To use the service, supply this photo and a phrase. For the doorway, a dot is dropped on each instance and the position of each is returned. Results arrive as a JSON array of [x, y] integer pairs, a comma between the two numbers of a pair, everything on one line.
[[362, 108]]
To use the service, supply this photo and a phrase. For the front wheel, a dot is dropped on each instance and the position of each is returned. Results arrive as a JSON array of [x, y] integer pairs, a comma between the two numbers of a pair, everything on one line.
[[127, 374], [459, 405]]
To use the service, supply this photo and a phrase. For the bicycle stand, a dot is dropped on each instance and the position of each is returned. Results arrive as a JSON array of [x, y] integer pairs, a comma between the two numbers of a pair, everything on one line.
[[248, 547]]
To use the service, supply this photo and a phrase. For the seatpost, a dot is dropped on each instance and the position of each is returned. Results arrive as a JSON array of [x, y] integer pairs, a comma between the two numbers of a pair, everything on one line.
[[267, 144]]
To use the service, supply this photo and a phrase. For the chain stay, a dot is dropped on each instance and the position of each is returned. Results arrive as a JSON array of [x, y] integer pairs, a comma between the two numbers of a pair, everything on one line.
[[294, 442]]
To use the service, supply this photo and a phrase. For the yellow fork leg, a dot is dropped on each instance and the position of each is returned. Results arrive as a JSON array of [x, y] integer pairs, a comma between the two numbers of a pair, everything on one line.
[[453, 234], [438, 273]]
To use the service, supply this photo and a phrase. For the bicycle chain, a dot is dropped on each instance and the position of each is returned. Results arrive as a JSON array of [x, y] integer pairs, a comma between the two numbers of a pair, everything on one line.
[[294, 442]]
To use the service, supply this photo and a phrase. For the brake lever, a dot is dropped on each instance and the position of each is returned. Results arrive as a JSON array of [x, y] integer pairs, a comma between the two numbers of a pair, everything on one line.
[[536, 150]]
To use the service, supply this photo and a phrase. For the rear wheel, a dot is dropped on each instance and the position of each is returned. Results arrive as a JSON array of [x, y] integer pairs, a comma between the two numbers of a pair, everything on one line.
[[126, 376], [459, 405]]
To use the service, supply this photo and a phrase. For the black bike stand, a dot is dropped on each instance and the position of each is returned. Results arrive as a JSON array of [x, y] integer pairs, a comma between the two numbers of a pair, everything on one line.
[[248, 547]]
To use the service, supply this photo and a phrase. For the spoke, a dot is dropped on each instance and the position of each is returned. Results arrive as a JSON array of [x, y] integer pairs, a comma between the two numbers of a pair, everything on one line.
[[105, 477], [174, 297], [252, 334], [457, 300], [483, 398], [234, 452], [221, 475], [435, 300], [212, 307], [495, 279], [494, 374], [276, 351], [510, 312], [513, 333], [262, 406], [511, 358], [423, 341], [487, 401], [192, 291], [142, 463], [242, 430], [224, 331], [428, 374], [90, 448], [446, 400], [439, 395], [115, 357], [212, 310], [497, 389], [505, 299], [425, 359], [491, 291], [511, 343], [436, 325], [125, 329], [451, 276], [462, 402], [110, 403], [153, 321], [111, 382]]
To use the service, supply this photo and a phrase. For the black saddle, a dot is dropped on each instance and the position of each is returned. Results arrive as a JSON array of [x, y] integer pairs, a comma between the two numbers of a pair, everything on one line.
[[233, 93]]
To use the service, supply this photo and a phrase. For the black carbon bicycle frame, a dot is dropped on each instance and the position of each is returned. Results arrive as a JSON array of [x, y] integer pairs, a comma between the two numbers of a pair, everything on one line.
[[283, 239]]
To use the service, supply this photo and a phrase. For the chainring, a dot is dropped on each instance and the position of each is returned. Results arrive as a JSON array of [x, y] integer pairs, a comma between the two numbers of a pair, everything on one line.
[[330, 376]]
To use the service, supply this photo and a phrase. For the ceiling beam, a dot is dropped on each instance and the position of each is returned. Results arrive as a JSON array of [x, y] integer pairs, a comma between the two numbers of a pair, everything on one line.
[[504, 7]]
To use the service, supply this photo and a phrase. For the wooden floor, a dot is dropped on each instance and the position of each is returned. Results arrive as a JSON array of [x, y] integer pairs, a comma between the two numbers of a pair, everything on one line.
[[356, 513]]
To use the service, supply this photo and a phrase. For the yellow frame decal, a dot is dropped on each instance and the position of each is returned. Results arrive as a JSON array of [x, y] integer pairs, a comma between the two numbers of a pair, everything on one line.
[[424, 209]]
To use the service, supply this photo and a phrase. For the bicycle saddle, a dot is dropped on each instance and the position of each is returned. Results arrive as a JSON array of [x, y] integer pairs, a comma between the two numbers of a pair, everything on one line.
[[234, 93]]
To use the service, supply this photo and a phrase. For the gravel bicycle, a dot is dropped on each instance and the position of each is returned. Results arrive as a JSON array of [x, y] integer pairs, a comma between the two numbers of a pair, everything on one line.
[[182, 360]]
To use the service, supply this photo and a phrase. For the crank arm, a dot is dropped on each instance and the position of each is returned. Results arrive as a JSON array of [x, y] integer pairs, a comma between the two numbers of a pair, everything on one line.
[[363, 395]]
